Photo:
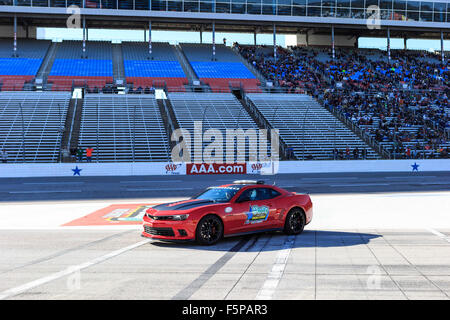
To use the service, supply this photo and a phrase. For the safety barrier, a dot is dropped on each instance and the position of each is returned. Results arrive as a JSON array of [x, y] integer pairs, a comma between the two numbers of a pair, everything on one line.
[[163, 168]]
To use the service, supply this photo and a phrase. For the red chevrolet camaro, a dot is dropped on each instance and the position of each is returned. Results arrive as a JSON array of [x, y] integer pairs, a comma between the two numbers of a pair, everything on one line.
[[234, 209]]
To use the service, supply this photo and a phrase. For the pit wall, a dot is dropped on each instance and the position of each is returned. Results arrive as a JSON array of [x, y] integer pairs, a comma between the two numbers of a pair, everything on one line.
[[162, 168]]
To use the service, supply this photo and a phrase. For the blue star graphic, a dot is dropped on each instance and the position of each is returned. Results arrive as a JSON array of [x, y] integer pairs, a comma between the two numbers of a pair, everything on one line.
[[76, 171], [415, 167]]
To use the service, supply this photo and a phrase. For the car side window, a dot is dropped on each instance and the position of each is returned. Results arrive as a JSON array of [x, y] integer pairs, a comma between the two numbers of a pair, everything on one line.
[[274, 193], [267, 193], [248, 195]]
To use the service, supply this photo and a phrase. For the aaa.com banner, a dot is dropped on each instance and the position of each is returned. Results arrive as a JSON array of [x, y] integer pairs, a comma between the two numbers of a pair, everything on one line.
[[216, 168]]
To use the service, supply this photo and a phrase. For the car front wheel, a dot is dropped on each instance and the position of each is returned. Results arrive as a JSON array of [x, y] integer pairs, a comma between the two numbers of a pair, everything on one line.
[[209, 230], [295, 221]]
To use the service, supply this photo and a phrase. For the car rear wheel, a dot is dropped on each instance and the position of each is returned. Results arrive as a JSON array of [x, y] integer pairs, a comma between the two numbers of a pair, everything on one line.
[[209, 230], [295, 221]]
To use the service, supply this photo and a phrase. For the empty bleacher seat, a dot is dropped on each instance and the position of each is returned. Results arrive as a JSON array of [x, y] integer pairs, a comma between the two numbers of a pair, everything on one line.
[[217, 110], [163, 67], [306, 126], [43, 115], [15, 71], [82, 68], [96, 70], [226, 67], [110, 123]]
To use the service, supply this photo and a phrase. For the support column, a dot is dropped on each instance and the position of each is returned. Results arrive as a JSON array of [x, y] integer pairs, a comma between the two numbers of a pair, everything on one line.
[[389, 44], [201, 34], [83, 54], [15, 37], [213, 41], [405, 40], [333, 51], [275, 42], [150, 54], [442, 48], [254, 38]]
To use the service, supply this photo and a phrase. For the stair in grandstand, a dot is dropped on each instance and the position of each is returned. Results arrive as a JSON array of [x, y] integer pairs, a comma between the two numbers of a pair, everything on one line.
[[307, 127], [168, 118], [71, 128], [187, 68], [118, 68], [67, 124], [47, 64]]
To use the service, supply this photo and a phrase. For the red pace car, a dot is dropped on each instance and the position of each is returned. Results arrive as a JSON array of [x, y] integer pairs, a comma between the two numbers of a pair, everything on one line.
[[233, 209]]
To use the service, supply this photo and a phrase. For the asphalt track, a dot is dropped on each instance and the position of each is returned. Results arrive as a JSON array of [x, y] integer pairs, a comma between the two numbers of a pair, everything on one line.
[[128, 187], [374, 236]]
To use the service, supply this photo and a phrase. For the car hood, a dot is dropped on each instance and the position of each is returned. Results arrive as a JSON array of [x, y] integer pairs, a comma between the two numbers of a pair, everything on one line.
[[183, 205]]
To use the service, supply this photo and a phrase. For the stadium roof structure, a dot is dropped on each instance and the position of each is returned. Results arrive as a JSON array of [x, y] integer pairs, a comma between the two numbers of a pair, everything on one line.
[[351, 17]]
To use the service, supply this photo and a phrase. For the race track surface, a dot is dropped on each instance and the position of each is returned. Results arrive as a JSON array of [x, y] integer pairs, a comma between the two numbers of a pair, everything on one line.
[[373, 236]]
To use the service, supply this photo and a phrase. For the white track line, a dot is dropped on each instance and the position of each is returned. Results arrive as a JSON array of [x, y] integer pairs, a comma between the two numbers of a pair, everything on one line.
[[327, 179], [45, 191], [440, 235], [274, 276], [50, 183], [30, 285], [150, 181], [157, 189], [410, 177], [360, 185]]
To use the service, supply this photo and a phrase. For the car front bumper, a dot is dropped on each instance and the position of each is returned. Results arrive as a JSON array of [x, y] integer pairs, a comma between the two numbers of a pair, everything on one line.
[[169, 230]]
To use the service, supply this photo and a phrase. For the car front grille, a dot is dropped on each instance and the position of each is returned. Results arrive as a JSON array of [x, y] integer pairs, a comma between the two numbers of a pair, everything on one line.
[[167, 232], [160, 217]]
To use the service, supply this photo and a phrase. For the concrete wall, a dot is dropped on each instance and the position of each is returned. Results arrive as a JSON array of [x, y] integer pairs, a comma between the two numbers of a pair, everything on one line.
[[8, 32], [324, 40]]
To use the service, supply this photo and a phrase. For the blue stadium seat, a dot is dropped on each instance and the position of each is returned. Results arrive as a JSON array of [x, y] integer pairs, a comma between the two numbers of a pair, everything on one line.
[[82, 67], [151, 68], [228, 70], [19, 66]]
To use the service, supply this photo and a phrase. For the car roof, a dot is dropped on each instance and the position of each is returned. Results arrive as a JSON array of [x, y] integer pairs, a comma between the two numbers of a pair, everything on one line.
[[240, 185]]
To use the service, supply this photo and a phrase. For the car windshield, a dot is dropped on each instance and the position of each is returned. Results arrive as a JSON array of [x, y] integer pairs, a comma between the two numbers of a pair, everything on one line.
[[217, 194]]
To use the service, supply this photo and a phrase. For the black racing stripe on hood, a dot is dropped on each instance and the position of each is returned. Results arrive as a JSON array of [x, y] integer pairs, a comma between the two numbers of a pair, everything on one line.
[[182, 205]]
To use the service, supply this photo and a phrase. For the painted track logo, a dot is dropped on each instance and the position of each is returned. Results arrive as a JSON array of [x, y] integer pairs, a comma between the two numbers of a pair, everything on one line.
[[257, 214]]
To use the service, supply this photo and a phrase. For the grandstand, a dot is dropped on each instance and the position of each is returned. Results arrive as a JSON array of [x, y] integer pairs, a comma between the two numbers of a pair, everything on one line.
[[323, 94]]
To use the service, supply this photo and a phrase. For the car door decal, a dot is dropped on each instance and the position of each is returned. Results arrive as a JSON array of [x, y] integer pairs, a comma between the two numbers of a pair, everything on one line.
[[257, 214]]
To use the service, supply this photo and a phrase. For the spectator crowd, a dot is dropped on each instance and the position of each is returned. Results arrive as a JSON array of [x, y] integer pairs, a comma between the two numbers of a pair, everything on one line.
[[401, 104]]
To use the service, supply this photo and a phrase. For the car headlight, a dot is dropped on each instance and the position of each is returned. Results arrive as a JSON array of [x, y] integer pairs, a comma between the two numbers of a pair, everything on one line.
[[180, 217]]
